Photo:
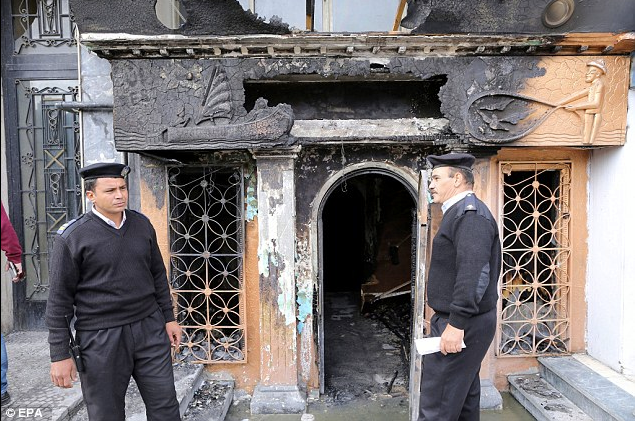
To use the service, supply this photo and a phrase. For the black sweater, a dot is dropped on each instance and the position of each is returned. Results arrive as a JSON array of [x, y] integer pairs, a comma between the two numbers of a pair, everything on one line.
[[466, 262], [112, 277]]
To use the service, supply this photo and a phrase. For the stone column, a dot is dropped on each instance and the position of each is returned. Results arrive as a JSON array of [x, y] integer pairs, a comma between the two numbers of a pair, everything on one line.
[[278, 390]]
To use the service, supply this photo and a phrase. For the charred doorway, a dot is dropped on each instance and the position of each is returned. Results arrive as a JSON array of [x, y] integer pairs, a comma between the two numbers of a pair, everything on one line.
[[367, 278]]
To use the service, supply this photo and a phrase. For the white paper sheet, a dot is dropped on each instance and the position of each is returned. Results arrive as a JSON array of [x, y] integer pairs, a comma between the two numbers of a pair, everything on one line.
[[430, 345]]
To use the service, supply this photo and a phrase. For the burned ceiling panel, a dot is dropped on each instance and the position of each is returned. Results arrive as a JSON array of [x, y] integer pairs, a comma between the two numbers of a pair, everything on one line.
[[203, 17], [519, 16]]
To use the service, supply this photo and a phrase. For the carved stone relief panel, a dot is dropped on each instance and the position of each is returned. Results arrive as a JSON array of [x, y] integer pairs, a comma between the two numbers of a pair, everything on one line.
[[176, 104], [190, 105], [578, 101]]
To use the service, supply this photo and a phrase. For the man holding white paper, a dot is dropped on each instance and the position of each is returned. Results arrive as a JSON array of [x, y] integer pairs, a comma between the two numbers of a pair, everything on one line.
[[462, 290]]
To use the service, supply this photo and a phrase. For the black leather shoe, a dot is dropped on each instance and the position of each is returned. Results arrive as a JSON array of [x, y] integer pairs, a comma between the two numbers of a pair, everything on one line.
[[6, 398]]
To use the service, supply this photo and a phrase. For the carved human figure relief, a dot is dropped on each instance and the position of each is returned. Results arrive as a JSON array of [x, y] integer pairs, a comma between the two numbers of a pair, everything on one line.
[[505, 116], [592, 107]]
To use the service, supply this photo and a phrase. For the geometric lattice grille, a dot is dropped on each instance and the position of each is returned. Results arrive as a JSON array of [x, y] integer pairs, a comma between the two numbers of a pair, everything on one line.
[[206, 261], [535, 219], [49, 161]]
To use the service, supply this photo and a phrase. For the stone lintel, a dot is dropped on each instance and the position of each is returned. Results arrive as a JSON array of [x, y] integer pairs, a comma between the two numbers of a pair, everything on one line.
[[278, 153], [370, 130]]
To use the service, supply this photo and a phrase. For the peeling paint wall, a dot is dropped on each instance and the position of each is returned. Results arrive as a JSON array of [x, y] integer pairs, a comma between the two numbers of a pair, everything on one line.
[[276, 267]]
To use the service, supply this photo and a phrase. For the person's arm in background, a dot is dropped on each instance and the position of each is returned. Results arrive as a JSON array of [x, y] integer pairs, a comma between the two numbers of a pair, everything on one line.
[[11, 245]]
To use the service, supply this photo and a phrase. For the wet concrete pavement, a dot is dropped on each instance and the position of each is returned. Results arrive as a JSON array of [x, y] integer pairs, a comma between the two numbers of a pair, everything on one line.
[[363, 357], [366, 373], [395, 409]]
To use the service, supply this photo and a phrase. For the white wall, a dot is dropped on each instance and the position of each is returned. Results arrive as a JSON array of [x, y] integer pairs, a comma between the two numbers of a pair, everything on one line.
[[610, 288]]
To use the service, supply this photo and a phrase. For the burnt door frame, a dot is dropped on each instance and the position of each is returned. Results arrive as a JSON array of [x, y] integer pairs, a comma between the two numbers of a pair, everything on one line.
[[408, 182], [422, 240]]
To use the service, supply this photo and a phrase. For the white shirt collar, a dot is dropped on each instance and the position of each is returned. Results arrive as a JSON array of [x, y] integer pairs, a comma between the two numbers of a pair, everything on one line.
[[454, 199], [110, 221]]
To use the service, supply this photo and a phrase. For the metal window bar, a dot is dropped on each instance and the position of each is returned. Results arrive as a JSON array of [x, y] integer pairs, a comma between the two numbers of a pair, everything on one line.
[[534, 318], [50, 187], [206, 220], [47, 23]]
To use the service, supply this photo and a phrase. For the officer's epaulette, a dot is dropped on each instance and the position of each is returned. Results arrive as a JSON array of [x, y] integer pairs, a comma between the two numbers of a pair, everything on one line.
[[66, 225], [70, 226], [470, 203]]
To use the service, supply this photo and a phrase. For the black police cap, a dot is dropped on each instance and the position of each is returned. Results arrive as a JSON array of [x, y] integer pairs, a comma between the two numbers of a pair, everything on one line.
[[104, 170], [457, 160]]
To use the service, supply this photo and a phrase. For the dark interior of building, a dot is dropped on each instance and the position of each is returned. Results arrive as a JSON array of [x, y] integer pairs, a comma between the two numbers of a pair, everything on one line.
[[349, 100], [367, 249]]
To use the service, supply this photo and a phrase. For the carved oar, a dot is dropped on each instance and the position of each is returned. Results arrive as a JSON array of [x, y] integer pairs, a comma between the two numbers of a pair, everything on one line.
[[494, 116]]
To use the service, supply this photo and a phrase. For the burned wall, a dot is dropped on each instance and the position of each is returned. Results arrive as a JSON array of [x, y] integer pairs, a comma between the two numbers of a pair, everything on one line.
[[351, 99], [200, 104], [227, 17], [170, 96], [519, 16], [203, 17]]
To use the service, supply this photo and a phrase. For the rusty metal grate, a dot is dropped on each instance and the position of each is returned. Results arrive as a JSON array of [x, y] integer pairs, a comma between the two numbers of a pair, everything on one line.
[[535, 218], [206, 261]]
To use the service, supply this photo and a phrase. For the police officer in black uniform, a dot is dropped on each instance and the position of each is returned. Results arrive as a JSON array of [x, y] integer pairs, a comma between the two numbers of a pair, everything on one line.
[[462, 290], [107, 271]]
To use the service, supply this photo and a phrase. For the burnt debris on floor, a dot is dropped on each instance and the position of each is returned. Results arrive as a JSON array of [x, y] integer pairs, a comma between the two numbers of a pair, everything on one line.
[[210, 401], [363, 357], [395, 313]]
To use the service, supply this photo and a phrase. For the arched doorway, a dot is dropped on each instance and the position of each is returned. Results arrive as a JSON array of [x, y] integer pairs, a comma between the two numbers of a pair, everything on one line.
[[366, 281]]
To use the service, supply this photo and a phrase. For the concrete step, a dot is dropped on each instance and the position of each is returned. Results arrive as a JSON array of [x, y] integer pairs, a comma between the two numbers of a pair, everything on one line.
[[212, 399], [542, 400], [592, 392], [187, 379]]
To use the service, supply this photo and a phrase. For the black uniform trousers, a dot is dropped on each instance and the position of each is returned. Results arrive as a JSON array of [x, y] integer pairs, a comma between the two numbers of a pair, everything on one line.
[[141, 350], [450, 384]]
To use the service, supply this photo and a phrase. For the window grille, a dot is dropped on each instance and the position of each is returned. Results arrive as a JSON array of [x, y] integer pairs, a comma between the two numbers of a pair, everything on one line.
[[206, 261], [535, 285], [44, 23]]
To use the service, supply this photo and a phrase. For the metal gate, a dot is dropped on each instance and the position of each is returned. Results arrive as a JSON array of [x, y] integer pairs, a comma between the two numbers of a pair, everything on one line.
[[39, 70]]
